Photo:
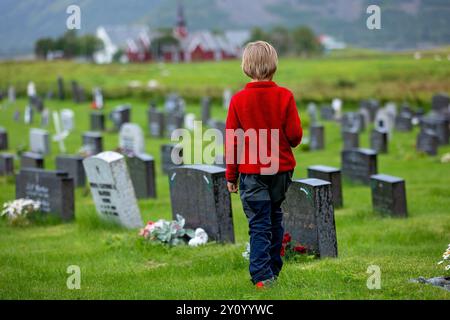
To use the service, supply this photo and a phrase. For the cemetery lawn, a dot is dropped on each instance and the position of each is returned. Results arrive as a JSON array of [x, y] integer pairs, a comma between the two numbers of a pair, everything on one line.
[[116, 264]]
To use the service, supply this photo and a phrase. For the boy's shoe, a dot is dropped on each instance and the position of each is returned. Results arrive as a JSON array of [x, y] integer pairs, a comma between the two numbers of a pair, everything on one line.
[[265, 283]]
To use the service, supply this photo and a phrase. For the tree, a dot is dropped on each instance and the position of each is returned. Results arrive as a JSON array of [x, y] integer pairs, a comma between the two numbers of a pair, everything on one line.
[[69, 44], [305, 41], [166, 39], [88, 45], [258, 34], [280, 38], [43, 46]]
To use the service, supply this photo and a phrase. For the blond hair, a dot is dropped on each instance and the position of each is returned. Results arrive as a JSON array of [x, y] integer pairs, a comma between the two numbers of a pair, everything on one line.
[[259, 60]]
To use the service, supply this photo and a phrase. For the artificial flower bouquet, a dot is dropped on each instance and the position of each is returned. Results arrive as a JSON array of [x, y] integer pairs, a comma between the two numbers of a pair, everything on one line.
[[446, 259], [19, 211]]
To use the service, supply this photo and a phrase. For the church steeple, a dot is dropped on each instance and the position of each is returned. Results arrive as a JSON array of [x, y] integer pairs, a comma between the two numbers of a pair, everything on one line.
[[180, 28]]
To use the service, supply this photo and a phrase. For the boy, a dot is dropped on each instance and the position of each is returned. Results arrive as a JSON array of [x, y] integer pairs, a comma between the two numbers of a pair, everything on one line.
[[260, 107]]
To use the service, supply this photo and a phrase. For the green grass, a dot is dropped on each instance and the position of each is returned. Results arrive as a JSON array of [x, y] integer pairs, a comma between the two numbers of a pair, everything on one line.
[[115, 264], [352, 75]]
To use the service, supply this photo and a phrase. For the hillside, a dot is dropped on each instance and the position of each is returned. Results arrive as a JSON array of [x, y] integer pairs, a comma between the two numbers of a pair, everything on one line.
[[405, 23]]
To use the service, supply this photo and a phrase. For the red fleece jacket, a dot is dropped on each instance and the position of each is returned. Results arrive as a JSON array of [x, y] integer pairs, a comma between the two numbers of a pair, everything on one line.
[[261, 105]]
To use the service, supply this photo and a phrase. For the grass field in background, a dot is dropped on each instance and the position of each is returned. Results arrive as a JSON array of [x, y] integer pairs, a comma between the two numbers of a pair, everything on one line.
[[351, 75], [116, 265]]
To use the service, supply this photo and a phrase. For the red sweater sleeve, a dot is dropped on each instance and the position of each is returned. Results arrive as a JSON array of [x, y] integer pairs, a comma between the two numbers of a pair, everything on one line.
[[232, 122], [293, 126]]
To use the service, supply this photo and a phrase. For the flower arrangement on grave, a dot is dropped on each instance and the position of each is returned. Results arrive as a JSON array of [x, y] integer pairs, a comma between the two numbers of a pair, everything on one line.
[[18, 211], [289, 249], [173, 233], [446, 259]]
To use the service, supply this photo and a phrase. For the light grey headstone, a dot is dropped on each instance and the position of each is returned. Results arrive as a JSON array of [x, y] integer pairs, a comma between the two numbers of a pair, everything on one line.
[[131, 139], [67, 119], [39, 141], [112, 189]]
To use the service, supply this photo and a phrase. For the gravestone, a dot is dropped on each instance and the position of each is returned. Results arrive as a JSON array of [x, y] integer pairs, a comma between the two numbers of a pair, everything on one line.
[[156, 121], [120, 115], [92, 142], [97, 121], [206, 110], [427, 142], [359, 165], [45, 118], [336, 104], [28, 115], [439, 125], [61, 93], [53, 189], [11, 94], [98, 98], [327, 113], [73, 165], [379, 141], [31, 89], [189, 121], [76, 92], [332, 175], [39, 141], [199, 194], [389, 195], [67, 119], [352, 121], [31, 160], [112, 189], [317, 137], [403, 122], [440, 102], [169, 152], [6, 164], [350, 140], [371, 106], [38, 103], [3, 139], [131, 139], [384, 121], [174, 121], [309, 216], [311, 109], [365, 116], [143, 175]]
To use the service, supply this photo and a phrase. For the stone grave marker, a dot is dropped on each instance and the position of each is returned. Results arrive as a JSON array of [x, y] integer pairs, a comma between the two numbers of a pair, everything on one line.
[[92, 142], [156, 122], [199, 194], [174, 121], [317, 137], [39, 141], [389, 195], [352, 121], [379, 141], [53, 189], [169, 152], [143, 175], [384, 121], [131, 139], [98, 98], [31, 160], [73, 165], [359, 165], [439, 125], [28, 115], [309, 216], [6, 164], [332, 175], [427, 142], [11, 94], [206, 110], [336, 104], [350, 139], [67, 119], [440, 102], [311, 109], [112, 189], [189, 120], [76, 94], [371, 106], [61, 92], [403, 122], [3, 139], [120, 115], [97, 120], [327, 113]]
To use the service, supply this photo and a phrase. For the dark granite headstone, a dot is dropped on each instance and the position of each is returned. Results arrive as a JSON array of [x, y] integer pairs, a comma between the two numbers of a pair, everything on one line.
[[166, 156], [75, 92], [427, 142], [327, 113], [309, 216], [174, 121], [438, 124], [53, 189], [31, 160], [3, 139], [120, 115], [97, 121], [156, 121], [317, 137], [379, 141], [61, 93], [206, 110], [6, 164], [371, 106], [350, 140], [403, 122], [359, 165], [332, 175], [199, 194], [389, 195], [440, 102], [143, 175], [92, 142], [73, 165]]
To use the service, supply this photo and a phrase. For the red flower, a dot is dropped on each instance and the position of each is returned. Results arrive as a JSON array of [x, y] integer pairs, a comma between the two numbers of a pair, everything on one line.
[[287, 238], [283, 252], [300, 249]]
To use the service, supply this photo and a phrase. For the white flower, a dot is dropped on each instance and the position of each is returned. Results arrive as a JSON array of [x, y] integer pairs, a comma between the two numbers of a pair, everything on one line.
[[201, 238]]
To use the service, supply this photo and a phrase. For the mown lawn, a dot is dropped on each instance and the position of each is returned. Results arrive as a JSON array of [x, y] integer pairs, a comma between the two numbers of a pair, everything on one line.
[[116, 265]]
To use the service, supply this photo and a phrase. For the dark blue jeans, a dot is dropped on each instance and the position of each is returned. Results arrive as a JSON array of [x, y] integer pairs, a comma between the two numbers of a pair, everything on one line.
[[261, 198]]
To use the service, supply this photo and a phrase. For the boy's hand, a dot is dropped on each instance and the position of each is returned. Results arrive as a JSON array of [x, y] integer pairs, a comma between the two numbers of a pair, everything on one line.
[[232, 187]]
